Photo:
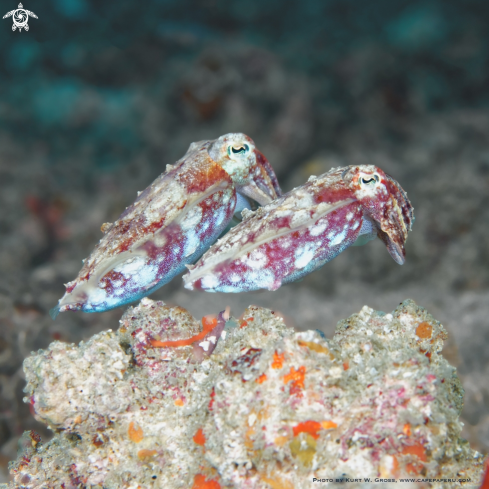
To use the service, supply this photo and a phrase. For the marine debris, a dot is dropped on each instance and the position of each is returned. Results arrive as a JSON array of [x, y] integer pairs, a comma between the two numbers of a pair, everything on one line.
[[269, 408]]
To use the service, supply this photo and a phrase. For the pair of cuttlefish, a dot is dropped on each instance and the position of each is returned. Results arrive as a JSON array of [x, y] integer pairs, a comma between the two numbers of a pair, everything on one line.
[[186, 209]]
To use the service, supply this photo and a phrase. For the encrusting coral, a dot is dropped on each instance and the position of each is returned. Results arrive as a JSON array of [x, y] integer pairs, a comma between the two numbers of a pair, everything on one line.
[[247, 403]]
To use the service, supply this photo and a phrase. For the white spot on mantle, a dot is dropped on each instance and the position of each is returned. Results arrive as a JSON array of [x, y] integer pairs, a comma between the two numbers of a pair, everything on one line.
[[339, 238], [303, 256]]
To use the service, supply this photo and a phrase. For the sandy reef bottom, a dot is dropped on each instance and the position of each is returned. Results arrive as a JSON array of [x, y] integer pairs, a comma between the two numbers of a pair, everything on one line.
[[167, 401]]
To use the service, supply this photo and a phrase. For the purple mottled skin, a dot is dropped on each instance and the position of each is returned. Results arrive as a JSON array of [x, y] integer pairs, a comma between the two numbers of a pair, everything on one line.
[[171, 223], [304, 229]]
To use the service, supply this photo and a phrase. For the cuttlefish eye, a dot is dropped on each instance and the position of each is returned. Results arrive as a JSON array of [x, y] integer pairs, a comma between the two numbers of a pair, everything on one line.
[[370, 180], [238, 149]]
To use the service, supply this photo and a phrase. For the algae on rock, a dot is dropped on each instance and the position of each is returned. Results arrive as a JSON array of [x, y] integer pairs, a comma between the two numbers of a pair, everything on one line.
[[269, 408]]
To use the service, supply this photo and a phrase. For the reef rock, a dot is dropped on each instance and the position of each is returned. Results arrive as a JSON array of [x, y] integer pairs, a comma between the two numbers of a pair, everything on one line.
[[268, 408]]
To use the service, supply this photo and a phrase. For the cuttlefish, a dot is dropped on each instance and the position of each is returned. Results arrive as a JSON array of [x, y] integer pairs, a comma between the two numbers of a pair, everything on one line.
[[301, 231], [171, 223]]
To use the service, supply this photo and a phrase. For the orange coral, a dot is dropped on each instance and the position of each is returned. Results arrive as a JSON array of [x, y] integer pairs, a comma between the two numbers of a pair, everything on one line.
[[297, 376], [278, 360], [135, 432], [199, 437], [245, 322], [208, 324], [417, 449], [327, 425], [145, 454], [200, 482], [311, 427], [424, 330], [261, 379]]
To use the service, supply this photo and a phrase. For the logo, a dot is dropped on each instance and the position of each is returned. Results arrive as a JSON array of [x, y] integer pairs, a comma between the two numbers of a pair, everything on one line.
[[20, 16]]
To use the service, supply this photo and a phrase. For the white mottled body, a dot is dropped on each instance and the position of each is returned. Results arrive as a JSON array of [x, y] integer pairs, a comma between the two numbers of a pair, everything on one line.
[[301, 231]]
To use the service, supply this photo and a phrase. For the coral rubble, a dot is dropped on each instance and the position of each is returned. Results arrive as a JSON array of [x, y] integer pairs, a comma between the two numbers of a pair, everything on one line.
[[269, 408]]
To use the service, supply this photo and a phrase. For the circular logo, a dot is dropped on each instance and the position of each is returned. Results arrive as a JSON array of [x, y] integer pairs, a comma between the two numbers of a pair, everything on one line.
[[20, 19]]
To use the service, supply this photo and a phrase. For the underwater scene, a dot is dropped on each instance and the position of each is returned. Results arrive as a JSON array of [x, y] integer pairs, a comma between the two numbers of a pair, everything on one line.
[[244, 244]]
